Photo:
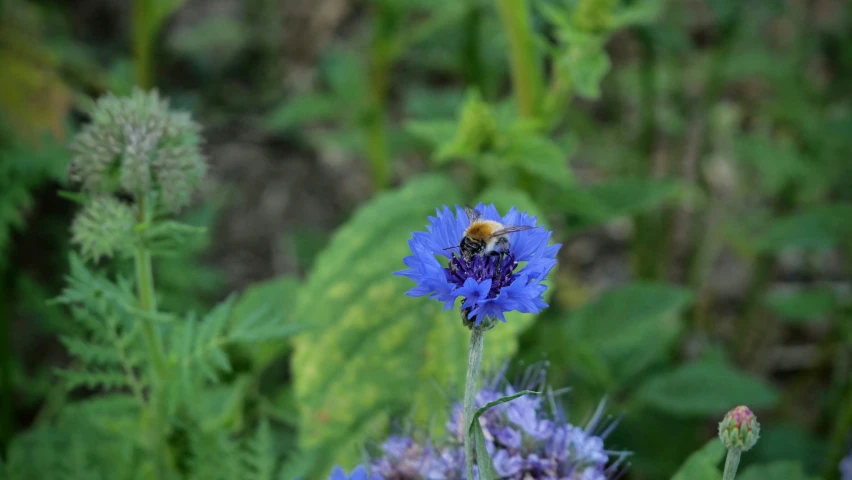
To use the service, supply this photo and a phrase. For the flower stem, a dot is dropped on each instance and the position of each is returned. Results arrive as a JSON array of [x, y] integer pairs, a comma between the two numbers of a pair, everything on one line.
[[527, 79], [142, 42], [731, 464], [147, 300], [382, 54], [148, 303], [474, 364]]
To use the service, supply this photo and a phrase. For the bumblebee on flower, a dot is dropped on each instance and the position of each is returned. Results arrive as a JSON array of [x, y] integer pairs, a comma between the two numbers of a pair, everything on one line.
[[483, 251]]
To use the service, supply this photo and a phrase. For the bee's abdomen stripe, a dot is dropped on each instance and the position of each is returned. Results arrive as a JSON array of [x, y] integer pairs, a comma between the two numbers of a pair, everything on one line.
[[471, 244]]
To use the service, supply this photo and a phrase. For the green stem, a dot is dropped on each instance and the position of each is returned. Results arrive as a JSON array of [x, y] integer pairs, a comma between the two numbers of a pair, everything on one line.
[[527, 80], [842, 428], [147, 298], [471, 60], [6, 376], [382, 53], [731, 464], [142, 42], [649, 246], [148, 303], [474, 364]]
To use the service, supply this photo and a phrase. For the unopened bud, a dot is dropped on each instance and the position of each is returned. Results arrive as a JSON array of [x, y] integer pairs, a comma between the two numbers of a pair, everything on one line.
[[739, 429]]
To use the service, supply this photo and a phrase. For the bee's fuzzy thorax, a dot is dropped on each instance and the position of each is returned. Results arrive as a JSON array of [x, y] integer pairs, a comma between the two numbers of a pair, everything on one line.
[[482, 229]]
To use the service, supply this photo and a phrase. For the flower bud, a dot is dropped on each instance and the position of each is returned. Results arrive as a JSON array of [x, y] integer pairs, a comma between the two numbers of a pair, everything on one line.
[[138, 145], [103, 228], [739, 429]]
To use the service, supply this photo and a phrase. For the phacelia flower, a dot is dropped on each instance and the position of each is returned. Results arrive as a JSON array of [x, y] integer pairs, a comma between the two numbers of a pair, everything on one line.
[[103, 228], [359, 473], [846, 468], [490, 285], [527, 439], [739, 429], [136, 144]]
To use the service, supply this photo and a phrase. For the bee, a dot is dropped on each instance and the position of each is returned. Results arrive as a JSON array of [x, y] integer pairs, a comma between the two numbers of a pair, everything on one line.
[[485, 237]]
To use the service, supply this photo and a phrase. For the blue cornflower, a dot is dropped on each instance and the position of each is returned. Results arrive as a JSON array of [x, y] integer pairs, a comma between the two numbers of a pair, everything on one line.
[[490, 285], [359, 473]]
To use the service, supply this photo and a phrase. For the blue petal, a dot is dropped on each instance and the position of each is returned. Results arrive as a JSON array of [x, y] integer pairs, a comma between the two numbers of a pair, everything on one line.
[[360, 473], [338, 474]]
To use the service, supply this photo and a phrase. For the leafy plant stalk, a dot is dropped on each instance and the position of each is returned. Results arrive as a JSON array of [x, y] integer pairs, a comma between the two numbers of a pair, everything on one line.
[[527, 80], [148, 303], [474, 364], [731, 463], [147, 299]]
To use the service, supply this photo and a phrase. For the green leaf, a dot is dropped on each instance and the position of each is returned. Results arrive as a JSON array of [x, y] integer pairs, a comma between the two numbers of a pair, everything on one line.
[[803, 306], [642, 12], [818, 228], [783, 440], [783, 470], [377, 352], [541, 157], [483, 460], [346, 76], [631, 196], [630, 327], [297, 111], [705, 388], [618, 198], [702, 465], [587, 64], [263, 316], [432, 132]]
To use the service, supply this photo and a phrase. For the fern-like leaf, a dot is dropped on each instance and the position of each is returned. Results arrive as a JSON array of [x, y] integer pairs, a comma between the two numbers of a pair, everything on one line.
[[259, 460], [106, 341]]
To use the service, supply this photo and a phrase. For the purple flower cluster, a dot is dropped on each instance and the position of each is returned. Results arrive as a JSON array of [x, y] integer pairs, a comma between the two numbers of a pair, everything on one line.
[[846, 468], [489, 284], [525, 439]]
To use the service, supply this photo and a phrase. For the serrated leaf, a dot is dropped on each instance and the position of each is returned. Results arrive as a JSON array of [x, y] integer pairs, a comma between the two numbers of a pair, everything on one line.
[[376, 351], [783, 470], [483, 460], [631, 326], [705, 388], [702, 465]]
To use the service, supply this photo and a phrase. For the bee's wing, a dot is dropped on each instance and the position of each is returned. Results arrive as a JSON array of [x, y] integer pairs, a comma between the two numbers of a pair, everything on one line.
[[510, 229], [472, 214]]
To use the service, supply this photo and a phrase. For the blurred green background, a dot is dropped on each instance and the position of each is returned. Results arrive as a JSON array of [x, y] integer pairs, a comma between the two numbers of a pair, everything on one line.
[[692, 156]]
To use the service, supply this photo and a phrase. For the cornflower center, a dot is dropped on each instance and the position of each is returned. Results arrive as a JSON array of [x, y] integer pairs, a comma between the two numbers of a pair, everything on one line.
[[499, 268]]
